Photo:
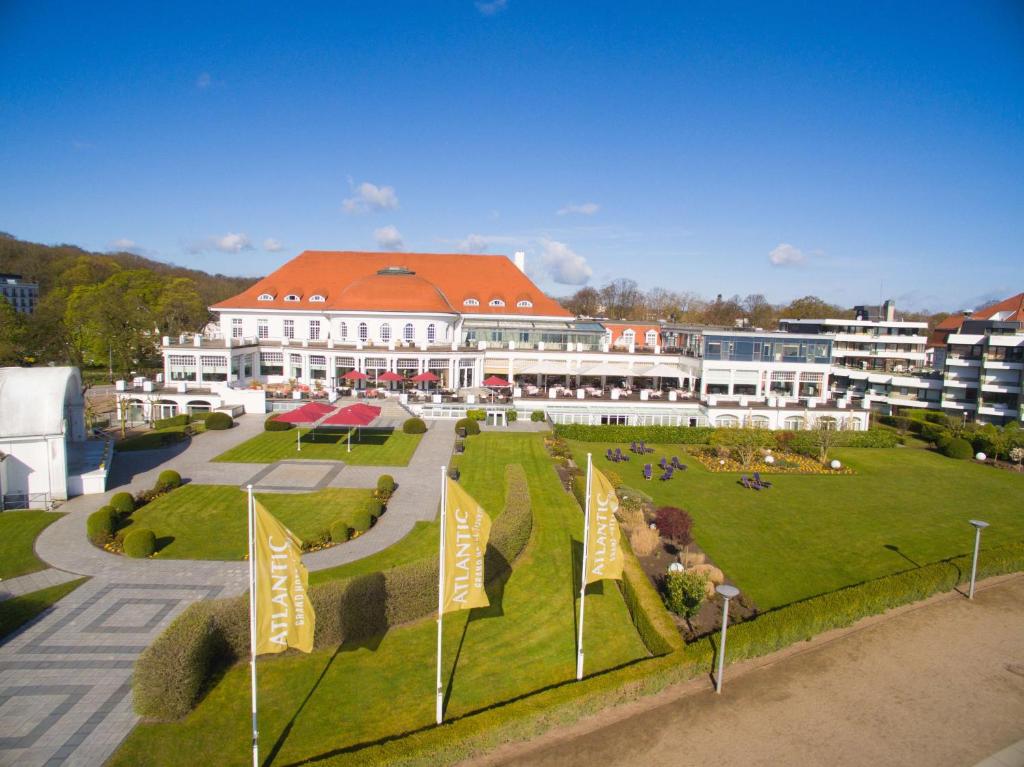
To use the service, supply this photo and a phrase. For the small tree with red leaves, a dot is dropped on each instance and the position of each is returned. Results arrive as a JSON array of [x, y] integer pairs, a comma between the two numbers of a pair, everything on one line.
[[674, 525]]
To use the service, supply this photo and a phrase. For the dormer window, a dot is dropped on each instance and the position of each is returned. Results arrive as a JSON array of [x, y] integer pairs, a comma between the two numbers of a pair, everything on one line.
[[291, 298], [471, 302], [496, 302], [265, 297], [316, 298], [524, 304]]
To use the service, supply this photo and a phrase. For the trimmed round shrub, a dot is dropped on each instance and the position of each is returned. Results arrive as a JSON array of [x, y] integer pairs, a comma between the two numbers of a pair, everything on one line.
[[471, 426], [376, 508], [140, 543], [386, 484], [361, 520], [414, 426], [272, 424], [537, 416], [122, 503], [959, 449], [168, 480], [219, 421], [477, 414], [511, 416], [101, 524], [340, 531]]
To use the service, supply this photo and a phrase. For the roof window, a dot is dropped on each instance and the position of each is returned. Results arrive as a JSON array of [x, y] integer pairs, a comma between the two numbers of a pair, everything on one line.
[[524, 304], [471, 302], [265, 297], [496, 302], [291, 298], [316, 298]]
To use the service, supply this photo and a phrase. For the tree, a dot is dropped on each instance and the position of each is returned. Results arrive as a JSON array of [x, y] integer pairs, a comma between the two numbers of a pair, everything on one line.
[[746, 443], [622, 299], [585, 302], [826, 433], [181, 308], [1017, 454], [812, 307], [760, 313], [12, 334], [674, 525], [721, 312]]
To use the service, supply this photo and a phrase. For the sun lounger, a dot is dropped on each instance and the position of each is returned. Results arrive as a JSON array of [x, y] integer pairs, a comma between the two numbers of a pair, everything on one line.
[[663, 463], [648, 471], [761, 482]]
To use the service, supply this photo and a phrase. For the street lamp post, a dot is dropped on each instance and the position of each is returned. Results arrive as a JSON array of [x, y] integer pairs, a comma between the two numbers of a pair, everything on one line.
[[727, 592], [978, 527]]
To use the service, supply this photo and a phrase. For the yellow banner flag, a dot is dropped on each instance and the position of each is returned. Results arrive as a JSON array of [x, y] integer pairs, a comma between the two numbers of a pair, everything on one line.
[[604, 553], [284, 614], [467, 528]]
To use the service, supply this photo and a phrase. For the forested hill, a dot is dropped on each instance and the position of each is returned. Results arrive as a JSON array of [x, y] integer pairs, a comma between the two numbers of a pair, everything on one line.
[[46, 264]]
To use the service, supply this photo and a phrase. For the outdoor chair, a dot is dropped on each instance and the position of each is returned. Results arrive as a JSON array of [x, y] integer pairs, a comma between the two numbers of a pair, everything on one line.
[[665, 476], [761, 482], [608, 454], [648, 471], [632, 447], [663, 463]]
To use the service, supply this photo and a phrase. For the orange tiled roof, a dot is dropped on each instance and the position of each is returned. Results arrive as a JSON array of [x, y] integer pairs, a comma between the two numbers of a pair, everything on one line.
[[422, 282], [639, 331], [1014, 305]]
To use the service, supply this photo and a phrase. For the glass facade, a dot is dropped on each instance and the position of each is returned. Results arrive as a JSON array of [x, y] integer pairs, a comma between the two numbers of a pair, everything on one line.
[[755, 348], [528, 334]]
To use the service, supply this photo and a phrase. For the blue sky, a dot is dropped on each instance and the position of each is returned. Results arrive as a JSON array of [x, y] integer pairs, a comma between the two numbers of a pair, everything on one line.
[[842, 150]]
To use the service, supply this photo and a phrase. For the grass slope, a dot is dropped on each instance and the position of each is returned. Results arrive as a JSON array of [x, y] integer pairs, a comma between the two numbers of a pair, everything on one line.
[[375, 447], [18, 532], [330, 703], [17, 611], [810, 534], [209, 521]]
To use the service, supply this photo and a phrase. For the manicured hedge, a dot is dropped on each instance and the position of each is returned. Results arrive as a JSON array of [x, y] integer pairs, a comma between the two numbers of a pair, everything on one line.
[[139, 543], [957, 448], [360, 520], [174, 672], [538, 415], [101, 524], [122, 503], [168, 480], [219, 421], [176, 420], [702, 435], [340, 531], [272, 424], [386, 484], [375, 508], [153, 440], [414, 426], [471, 426]]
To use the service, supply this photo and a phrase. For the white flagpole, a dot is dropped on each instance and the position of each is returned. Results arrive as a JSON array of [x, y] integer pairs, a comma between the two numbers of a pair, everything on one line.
[[583, 570], [252, 628], [298, 438], [440, 593]]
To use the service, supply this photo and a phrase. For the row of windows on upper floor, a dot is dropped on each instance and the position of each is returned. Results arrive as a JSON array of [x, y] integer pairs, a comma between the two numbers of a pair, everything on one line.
[[317, 298], [362, 331]]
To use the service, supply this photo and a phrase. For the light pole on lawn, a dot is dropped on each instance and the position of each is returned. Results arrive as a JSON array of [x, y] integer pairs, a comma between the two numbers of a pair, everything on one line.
[[727, 592], [978, 527]]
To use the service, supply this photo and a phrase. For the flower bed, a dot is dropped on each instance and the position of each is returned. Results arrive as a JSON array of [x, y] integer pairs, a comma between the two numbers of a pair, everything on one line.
[[784, 463]]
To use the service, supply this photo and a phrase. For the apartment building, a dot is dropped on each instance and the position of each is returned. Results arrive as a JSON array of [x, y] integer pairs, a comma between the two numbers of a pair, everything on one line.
[[22, 295]]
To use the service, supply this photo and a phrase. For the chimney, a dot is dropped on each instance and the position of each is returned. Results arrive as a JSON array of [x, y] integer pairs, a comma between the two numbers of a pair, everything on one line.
[[520, 260], [889, 310]]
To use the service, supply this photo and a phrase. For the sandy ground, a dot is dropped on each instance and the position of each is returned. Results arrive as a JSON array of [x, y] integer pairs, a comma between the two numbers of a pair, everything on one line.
[[938, 684]]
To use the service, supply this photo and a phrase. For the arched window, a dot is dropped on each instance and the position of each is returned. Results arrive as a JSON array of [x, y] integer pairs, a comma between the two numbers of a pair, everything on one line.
[[344, 331], [524, 304], [651, 338], [317, 299], [727, 421], [827, 422], [758, 422], [431, 333], [409, 332], [471, 302], [265, 297], [793, 423], [364, 332], [385, 332], [291, 297], [628, 336], [496, 302]]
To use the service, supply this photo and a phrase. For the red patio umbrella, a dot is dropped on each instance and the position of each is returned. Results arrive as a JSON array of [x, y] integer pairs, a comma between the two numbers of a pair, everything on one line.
[[355, 375], [427, 377], [309, 413], [357, 416], [389, 376], [496, 382]]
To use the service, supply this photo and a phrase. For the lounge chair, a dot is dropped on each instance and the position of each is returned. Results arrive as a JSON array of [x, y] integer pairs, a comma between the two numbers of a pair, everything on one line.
[[663, 463], [632, 447], [665, 476], [761, 482], [648, 471], [608, 455]]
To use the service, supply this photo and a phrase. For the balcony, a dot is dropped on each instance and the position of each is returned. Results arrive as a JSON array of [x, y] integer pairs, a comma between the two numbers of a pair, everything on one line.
[[1003, 365], [957, 404], [962, 362], [997, 410]]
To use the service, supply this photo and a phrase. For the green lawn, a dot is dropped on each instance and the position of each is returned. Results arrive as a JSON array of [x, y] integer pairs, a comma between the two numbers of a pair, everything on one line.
[[209, 521], [331, 703], [17, 611], [808, 534], [18, 532], [374, 447]]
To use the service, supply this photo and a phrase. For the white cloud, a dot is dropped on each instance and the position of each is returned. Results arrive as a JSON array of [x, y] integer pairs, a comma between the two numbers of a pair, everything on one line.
[[204, 81], [586, 209], [272, 245], [123, 244], [562, 264], [232, 243], [492, 7], [785, 254], [475, 243], [388, 238], [370, 197]]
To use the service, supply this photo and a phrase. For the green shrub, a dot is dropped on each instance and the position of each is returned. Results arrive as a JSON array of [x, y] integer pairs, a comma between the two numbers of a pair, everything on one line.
[[219, 421], [537, 416], [272, 424], [687, 435], [685, 592], [375, 507], [340, 531], [476, 414], [122, 503], [958, 448], [176, 420], [511, 416], [471, 426], [414, 426], [139, 543], [933, 432], [702, 435], [200, 416], [168, 480], [385, 485], [360, 520], [101, 525]]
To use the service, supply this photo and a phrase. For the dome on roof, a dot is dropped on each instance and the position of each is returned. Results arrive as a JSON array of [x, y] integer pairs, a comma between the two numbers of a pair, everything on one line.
[[32, 400], [394, 291]]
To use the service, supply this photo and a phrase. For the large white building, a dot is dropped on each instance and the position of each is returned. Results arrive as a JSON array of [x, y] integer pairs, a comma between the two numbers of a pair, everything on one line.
[[463, 318]]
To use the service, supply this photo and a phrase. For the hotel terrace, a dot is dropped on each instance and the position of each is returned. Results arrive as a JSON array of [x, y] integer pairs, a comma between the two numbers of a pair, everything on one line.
[[458, 319]]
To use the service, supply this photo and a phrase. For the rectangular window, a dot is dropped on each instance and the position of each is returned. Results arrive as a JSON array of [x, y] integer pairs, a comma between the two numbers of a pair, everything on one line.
[[236, 327], [262, 329], [714, 349], [289, 328], [314, 330]]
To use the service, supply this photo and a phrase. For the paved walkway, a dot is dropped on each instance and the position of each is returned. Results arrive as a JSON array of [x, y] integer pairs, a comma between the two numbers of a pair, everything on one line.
[[65, 680], [26, 584], [937, 684]]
